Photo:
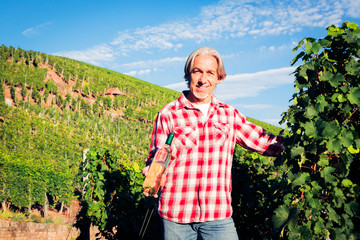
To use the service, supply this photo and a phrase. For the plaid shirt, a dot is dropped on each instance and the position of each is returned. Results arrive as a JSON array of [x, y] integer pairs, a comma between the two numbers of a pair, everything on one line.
[[198, 177]]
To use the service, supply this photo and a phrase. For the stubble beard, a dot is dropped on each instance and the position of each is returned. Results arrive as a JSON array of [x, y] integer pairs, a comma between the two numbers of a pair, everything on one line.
[[196, 95]]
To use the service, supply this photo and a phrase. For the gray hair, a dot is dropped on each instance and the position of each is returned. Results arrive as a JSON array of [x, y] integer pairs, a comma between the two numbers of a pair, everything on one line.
[[203, 51]]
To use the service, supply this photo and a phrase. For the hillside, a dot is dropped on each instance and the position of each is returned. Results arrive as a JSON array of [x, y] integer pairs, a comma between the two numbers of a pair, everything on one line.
[[54, 108]]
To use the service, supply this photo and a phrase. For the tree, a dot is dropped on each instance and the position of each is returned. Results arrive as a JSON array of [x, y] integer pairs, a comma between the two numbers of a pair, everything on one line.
[[322, 150], [2, 91], [112, 193]]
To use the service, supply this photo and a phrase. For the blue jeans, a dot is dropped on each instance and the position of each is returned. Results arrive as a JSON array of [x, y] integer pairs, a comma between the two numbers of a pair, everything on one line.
[[213, 230]]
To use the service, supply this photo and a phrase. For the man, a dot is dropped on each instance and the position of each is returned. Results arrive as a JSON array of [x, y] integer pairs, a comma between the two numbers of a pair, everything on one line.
[[195, 202]]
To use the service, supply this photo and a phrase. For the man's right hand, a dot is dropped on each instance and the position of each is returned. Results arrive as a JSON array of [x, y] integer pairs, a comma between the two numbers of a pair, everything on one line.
[[145, 172]]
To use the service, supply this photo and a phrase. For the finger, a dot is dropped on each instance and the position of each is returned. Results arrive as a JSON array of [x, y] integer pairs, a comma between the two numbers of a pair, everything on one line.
[[163, 180], [145, 170], [146, 194]]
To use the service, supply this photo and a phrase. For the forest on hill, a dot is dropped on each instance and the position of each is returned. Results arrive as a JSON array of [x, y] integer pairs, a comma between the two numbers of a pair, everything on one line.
[[52, 109]]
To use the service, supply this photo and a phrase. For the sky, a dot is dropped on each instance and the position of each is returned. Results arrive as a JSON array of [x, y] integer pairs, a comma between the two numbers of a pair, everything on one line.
[[151, 40]]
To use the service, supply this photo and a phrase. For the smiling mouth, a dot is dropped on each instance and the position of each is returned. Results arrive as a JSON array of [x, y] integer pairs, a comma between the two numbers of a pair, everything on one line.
[[202, 87]]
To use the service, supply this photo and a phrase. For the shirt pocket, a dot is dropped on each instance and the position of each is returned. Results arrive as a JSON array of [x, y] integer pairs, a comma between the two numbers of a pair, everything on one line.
[[186, 137], [221, 133]]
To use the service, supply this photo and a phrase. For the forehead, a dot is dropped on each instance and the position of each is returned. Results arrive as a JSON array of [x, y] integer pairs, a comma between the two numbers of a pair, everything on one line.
[[205, 61]]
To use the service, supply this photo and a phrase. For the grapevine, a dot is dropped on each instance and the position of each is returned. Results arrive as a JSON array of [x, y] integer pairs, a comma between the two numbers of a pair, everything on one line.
[[322, 150]]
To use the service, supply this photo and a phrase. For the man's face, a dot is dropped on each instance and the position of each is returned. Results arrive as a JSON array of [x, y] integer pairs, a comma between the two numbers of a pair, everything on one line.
[[204, 78]]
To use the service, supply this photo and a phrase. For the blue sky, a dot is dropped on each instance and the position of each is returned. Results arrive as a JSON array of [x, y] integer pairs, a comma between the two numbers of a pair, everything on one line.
[[152, 39]]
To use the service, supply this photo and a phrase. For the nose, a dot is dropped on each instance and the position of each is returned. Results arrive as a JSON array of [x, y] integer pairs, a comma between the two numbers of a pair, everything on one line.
[[203, 78]]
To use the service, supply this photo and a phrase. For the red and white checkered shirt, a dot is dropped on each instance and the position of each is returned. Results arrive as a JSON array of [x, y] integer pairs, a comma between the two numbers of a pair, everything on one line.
[[198, 177]]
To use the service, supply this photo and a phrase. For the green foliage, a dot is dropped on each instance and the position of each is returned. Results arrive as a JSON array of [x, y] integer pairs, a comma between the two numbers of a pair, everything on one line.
[[23, 91], [51, 87], [14, 216], [36, 95], [77, 86], [22, 74], [52, 141], [2, 91], [112, 197], [86, 107], [255, 194], [56, 136], [24, 181], [269, 128], [59, 100], [13, 92], [322, 150], [107, 101]]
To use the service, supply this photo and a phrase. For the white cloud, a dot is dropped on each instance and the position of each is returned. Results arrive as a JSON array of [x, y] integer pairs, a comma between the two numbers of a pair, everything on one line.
[[257, 106], [223, 20], [91, 55], [33, 31], [180, 86], [251, 84], [139, 73], [352, 7], [154, 63], [272, 121], [247, 84], [235, 19], [140, 68], [272, 48], [164, 36]]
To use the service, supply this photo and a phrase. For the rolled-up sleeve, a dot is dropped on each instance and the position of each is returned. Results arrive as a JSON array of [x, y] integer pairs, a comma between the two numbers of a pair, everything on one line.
[[255, 138]]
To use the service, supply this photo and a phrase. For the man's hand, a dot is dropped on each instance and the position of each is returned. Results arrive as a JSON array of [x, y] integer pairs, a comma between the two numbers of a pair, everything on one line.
[[145, 172]]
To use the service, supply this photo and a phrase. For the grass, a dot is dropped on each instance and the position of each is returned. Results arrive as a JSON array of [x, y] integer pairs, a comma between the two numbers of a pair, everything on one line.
[[23, 217], [13, 216]]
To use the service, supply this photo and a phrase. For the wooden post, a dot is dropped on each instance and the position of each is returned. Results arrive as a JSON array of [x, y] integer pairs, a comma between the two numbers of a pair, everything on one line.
[[84, 222], [84, 178], [46, 203]]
